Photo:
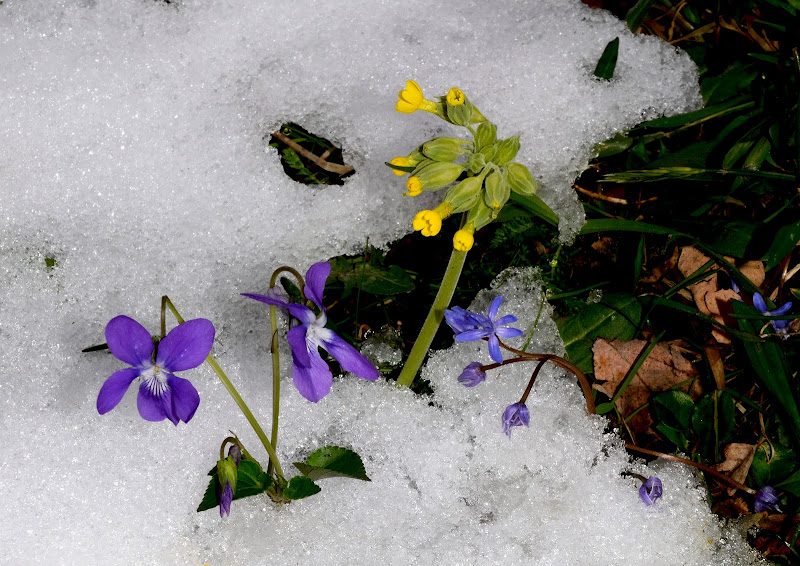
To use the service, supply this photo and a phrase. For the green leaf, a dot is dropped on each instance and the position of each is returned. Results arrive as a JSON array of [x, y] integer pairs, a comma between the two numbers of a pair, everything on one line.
[[674, 408], [772, 463], [714, 422], [620, 225], [791, 484], [250, 480], [372, 278], [700, 116], [612, 146], [674, 435], [608, 60], [733, 81], [536, 206], [617, 316], [769, 363], [333, 462], [758, 154], [783, 243], [300, 487], [730, 237], [635, 15]]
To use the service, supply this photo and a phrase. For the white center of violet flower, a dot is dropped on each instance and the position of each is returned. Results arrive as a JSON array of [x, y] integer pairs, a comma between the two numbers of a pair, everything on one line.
[[155, 379]]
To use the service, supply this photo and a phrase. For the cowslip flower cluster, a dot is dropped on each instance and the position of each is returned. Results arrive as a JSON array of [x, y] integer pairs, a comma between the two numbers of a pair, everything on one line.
[[162, 394], [479, 175], [310, 373]]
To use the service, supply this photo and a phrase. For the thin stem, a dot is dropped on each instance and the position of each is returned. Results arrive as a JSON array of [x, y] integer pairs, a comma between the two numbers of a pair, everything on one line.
[[556, 361], [276, 378], [236, 397], [434, 318], [533, 378], [707, 469]]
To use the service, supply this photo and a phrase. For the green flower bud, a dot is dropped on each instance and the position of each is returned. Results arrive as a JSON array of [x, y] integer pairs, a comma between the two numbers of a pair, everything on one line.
[[436, 175], [506, 150], [497, 192], [520, 179], [463, 195], [461, 114], [485, 136], [490, 151], [475, 163], [226, 471], [445, 149], [479, 215]]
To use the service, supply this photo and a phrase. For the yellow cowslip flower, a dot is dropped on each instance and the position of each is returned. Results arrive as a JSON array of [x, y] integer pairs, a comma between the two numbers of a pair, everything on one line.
[[414, 186], [401, 162], [410, 100], [428, 222], [463, 240], [455, 97]]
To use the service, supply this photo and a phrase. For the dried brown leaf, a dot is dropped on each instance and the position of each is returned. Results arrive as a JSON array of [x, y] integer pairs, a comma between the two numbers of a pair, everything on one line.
[[663, 369], [738, 457]]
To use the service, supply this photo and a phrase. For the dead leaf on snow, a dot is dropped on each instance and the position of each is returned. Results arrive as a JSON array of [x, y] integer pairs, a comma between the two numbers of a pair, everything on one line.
[[664, 368]]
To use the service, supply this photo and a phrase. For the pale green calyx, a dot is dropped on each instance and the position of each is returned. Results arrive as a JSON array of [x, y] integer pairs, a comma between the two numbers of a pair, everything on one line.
[[438, 174], [506, 150], [475, 163], [463, 195], [485, 136], [226, 471], [445, 149], [497, 192], [520, 179]]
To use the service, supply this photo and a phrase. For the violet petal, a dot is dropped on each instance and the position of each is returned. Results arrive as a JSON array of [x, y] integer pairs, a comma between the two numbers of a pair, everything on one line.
[[129, 341], [297, 340], [186, 346], [153, 408], [316, 276], [314, 380], [349, 358], [113, 390], [185, 398]]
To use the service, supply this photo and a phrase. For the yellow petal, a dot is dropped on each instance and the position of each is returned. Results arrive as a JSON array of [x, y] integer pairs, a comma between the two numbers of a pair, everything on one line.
[[405, 107], [412, 93]]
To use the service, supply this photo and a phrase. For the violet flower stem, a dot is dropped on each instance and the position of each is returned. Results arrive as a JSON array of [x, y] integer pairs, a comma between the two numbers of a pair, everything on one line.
[[434, 318], [273, 458], [543, 361]]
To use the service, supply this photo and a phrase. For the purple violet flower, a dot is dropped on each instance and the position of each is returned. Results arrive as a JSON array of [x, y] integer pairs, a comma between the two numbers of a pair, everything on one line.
[[515, 415], [766, 500], [472, 375], [311, 375], [470, 326], [780, 326], [162, 395], [651, 490]]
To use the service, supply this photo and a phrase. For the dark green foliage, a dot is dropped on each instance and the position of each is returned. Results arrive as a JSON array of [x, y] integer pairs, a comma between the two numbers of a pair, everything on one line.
[[301, 169], [608, 60]]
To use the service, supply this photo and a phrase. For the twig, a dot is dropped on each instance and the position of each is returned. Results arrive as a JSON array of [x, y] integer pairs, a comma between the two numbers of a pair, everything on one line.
[[598, 196], [319, 161], [733, 483]]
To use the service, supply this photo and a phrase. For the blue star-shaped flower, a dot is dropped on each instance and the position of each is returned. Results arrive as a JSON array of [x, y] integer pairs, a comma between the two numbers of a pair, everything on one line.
[[470, 326]]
